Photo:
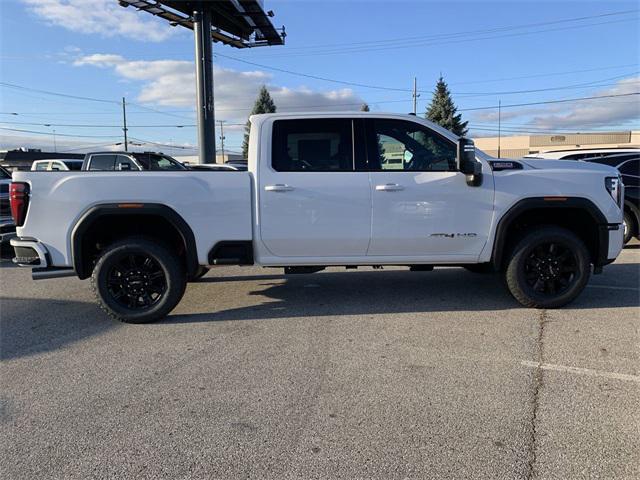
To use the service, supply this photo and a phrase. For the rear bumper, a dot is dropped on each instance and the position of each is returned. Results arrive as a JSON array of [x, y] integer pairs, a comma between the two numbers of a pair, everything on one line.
[[30, 253]]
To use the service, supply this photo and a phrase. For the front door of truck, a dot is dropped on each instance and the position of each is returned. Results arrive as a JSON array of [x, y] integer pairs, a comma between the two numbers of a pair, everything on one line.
[[313, 202], [421, 204]]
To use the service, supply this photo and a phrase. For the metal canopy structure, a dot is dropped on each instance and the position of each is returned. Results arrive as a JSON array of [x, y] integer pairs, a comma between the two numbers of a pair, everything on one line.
[[238, 23]]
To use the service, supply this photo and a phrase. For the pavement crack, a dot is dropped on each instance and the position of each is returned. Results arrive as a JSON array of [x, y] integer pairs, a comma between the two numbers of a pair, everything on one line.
[[538, 382]]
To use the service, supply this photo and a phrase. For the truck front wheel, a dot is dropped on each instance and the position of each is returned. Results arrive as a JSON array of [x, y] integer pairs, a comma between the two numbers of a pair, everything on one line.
[[549, 267], [138, 280]]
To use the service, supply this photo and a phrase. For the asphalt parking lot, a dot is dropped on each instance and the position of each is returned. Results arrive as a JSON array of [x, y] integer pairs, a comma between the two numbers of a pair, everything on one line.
[[357, 374]]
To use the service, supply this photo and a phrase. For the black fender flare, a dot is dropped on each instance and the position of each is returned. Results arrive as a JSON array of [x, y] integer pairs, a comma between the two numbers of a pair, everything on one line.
[[89, 217], [536, 203]]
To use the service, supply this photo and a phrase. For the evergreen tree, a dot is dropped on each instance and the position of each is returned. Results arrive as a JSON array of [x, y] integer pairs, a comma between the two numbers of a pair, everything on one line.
[[264, 104], [364, 107], [443, 111]]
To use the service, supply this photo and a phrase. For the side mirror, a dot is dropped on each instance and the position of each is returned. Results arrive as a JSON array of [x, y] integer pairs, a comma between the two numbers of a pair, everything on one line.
[[467, 162], [124, 166]]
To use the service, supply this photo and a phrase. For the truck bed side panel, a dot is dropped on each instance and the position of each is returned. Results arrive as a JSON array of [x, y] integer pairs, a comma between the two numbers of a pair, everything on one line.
[[216, 205]]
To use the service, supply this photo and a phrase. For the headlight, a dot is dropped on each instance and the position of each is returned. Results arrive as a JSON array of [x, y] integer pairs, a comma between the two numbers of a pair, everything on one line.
[[614, 187]]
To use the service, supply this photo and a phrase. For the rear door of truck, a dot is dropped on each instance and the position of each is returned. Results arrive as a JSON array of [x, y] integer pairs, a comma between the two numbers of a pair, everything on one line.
[[314, 202]]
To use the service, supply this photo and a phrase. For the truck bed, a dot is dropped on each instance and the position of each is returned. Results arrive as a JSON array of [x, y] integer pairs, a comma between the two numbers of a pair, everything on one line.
[[216, 205]]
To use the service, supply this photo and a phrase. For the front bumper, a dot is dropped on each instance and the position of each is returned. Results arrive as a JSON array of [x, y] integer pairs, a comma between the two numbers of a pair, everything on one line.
[[30, 253], [616, 242]]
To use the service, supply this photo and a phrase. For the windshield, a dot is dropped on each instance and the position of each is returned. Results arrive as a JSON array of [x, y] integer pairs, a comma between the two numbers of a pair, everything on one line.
[[4, 174], [155, 161]]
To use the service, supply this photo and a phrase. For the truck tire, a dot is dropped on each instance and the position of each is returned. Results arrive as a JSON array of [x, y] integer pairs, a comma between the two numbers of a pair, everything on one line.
[[628, 226], [138, 280], [548, 268]]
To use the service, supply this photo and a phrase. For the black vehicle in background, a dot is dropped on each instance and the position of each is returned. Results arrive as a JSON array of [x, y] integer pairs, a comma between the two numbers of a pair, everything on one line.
[[628, 164], [132, 161]]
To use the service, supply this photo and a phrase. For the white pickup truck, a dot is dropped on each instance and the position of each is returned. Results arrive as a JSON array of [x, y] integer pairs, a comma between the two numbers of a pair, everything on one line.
[[343, 189]]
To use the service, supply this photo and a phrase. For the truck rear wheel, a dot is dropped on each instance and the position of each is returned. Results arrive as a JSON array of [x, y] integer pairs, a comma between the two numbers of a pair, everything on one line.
[[137, 280], [549, 268]]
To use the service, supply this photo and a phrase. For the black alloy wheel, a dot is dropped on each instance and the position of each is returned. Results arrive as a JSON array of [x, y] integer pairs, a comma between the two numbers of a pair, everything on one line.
[[548, 267], [551, 268], [136, 281]]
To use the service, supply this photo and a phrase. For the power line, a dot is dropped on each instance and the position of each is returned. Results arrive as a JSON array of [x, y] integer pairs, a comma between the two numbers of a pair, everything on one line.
[[403, 39], [551, 74], [88, 99], [548, 102], [395, 89], [451, 40], [59, 134]]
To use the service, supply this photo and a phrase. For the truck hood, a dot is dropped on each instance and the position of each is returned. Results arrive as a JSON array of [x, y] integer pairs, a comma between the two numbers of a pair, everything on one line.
[[569, 165]]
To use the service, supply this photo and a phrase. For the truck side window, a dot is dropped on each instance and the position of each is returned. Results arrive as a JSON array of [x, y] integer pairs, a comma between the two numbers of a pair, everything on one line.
[[124, 163], [314, 145], [102, 162], [408, 146]]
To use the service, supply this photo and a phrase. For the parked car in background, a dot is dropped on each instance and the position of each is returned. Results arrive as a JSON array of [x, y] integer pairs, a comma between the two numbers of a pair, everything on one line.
[[7, 225], [579, 154], [213, 167], [319, 193], [130, 161], [62, 164], [238, 164], [628, 164]]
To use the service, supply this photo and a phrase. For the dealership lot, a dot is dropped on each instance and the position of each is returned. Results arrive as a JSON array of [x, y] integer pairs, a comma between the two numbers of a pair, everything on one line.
[[358, 374]]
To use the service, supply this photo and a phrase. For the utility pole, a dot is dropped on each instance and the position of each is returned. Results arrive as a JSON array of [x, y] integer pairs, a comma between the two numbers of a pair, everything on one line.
[[499, 124], [415, 95], [222, 139], [124, 124], [55, 144]]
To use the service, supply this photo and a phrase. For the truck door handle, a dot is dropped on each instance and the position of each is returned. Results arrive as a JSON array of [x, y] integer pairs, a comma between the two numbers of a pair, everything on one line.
[[389, 187], [278, 187]]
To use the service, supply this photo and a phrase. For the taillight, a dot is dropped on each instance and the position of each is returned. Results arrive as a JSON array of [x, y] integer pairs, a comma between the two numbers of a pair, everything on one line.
[[19, 199]]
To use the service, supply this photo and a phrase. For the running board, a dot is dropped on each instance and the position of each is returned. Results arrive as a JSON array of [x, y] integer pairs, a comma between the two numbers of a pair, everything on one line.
[[47, 273]]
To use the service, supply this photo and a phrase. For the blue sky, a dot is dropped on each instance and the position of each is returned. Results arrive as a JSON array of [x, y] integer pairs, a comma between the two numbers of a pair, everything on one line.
[[487, 52]]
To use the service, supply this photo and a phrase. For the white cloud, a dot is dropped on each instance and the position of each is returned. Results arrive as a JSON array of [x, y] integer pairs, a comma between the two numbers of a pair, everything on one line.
[[103, 17], [598, 112], [604, 112], [172, 83]]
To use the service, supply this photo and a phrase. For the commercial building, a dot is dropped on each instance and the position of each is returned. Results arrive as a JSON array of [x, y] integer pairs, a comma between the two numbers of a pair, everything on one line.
[[519, 145]]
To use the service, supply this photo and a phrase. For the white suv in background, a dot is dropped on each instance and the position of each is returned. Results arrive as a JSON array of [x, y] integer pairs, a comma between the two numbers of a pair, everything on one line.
[[579, 154], [56, 165]]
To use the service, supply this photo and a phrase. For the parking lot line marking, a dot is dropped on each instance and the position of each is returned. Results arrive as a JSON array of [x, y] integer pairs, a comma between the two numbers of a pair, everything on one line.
[[582, 371], [611, 287]]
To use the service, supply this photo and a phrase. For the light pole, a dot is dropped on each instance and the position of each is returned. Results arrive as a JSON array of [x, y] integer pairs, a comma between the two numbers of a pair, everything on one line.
[[53, 130], [499, 121], [222, 139]]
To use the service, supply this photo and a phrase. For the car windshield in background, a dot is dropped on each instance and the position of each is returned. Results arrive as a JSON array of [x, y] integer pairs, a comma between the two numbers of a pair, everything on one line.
[[4, 175], [73, 164], [153, 161]]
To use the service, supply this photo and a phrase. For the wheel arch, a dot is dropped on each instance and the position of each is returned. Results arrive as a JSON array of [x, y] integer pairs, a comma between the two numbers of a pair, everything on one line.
[[130, 219], [577, 214], [635, 215]]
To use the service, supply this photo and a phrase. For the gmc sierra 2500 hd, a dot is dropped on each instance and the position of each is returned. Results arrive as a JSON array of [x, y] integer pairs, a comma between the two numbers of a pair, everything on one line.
[[342, 189]]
